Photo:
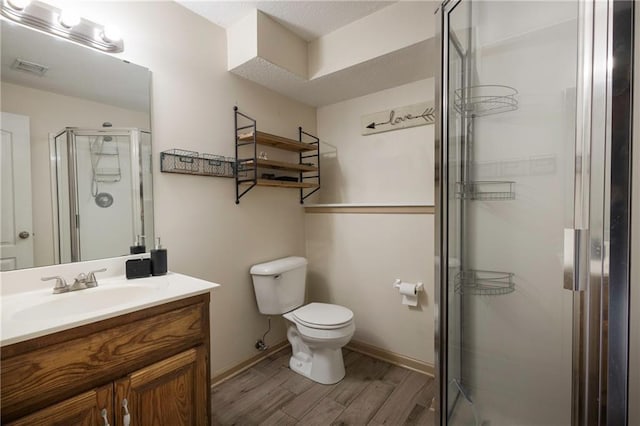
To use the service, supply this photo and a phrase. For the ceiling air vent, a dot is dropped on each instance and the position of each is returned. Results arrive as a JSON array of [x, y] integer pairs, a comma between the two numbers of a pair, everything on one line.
[[30, 67]]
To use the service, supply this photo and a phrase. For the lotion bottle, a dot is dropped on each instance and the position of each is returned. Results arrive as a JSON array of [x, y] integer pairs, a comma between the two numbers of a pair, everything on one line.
[[158, 259]]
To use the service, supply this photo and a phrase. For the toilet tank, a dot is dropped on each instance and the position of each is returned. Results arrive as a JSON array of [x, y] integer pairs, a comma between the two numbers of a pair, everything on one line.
[[279, 285]]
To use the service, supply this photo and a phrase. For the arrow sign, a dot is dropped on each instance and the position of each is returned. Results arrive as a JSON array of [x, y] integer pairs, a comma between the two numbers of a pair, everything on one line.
[[399, 118]]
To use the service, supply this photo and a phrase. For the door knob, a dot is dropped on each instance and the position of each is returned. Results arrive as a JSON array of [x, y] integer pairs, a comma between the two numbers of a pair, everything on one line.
[[24, 235]]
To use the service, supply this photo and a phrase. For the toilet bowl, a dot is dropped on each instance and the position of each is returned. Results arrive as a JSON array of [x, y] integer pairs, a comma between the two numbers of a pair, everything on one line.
[[317, 332]]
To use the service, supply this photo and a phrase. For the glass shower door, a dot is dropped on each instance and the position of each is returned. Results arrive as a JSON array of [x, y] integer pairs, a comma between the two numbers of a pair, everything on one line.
[[509, 132]]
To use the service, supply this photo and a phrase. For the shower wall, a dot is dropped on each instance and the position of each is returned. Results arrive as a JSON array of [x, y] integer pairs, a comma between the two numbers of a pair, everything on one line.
[[517, 347]]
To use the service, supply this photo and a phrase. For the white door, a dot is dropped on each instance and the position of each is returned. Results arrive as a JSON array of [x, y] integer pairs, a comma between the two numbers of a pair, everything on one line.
[[16, 241]]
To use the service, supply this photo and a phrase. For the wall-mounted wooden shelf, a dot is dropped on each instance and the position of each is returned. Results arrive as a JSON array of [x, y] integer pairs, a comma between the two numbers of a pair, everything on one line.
[[281, 165], [281, 184], [304, 175], [275, 141]]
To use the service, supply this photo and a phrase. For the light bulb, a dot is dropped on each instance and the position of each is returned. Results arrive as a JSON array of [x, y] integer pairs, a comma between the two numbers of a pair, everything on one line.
[[18, 4], [111, 34], [69, 18]]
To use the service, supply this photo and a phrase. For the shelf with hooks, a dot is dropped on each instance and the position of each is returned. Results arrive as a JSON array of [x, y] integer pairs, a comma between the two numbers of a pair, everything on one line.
[[484, 283], [483, 100], [486, 190]]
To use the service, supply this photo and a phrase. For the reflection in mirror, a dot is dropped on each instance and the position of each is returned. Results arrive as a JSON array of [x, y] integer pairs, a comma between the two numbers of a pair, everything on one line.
[[72, 187]]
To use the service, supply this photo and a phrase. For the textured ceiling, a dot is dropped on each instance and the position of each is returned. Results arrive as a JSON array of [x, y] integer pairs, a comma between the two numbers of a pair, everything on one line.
[[307, 19]]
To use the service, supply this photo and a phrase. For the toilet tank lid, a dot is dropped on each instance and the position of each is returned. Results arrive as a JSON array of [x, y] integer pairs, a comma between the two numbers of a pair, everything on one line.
[[278, 266]]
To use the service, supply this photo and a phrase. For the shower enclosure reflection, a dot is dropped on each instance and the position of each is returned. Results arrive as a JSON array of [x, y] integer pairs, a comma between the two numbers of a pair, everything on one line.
[[102, 190]]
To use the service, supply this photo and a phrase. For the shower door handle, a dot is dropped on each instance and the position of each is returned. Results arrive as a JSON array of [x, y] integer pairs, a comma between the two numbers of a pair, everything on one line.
[[576, 238], [576, 259]]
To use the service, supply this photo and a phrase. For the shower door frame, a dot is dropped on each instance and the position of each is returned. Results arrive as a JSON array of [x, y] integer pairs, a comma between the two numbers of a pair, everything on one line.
[[441, 218], [136, 182], [592, 200]]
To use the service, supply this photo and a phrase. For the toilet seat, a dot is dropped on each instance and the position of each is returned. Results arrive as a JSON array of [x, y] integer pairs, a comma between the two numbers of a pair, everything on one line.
[[323, 316]]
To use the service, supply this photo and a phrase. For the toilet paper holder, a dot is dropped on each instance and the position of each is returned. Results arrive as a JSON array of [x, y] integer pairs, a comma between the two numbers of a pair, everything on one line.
[[398, 282]]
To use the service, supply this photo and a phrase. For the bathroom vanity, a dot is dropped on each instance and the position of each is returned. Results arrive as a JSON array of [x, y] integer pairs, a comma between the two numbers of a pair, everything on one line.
[[147, 357]]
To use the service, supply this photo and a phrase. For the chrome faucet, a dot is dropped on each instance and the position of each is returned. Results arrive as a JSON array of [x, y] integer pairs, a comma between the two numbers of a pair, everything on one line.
[[61, 284], [80, 282]]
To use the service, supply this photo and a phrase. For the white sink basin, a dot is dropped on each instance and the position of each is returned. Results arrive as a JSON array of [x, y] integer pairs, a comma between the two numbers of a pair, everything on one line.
[[82, 301], [37, 312]]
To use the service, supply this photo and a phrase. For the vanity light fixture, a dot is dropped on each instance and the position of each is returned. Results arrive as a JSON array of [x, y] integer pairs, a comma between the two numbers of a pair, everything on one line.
[[111, 34], [62, 23], [69, 18], [18, 4]]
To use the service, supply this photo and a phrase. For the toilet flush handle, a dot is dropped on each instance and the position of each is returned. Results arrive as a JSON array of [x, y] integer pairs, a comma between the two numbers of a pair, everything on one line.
[[277, 277]]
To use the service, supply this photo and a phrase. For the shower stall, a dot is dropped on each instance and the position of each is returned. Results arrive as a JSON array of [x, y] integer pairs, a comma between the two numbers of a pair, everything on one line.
[[532, 212], [102, 198]]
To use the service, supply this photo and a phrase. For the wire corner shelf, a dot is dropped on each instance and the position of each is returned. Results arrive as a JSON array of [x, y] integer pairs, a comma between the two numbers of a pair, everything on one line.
[[486, 190], [484, 283], [486, 99]]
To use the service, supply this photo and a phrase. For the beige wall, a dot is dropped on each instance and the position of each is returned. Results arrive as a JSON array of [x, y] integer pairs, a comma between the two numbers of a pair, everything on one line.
[[390, 167], [207, 235], [48, 114], [280, 46], [396, 26], [242, 40], [355, 258]]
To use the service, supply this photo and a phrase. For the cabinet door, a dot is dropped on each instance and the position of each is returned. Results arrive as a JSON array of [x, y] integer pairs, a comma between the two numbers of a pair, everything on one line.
[[169, 392], [82, 410]]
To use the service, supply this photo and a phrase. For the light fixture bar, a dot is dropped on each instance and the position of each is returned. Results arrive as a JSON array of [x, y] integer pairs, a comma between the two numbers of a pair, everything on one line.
[[44, 17]]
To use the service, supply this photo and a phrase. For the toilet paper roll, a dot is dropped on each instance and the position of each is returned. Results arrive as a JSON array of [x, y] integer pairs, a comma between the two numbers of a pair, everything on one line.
[[409, 294], [408, 289]]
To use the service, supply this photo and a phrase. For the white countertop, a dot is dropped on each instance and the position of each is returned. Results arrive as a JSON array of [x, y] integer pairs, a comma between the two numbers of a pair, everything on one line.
[[38, 312]]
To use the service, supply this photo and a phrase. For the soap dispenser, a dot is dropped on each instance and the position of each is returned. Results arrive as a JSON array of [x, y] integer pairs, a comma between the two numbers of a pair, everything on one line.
[[158, 259], [138, 247]]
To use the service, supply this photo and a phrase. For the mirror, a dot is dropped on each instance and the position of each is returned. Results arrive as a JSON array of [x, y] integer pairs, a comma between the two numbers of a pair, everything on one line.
[[76, 152]]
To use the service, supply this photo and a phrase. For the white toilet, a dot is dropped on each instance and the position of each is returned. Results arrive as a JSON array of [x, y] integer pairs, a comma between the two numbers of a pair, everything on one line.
[[317, 331]]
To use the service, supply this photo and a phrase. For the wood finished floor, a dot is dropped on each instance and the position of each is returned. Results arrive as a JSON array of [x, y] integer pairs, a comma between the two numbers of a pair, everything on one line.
[[373, 392]]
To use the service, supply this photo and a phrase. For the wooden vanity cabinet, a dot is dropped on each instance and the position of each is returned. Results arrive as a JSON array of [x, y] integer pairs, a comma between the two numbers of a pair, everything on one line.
[[83, 410], [167, 392], [156, 359]]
